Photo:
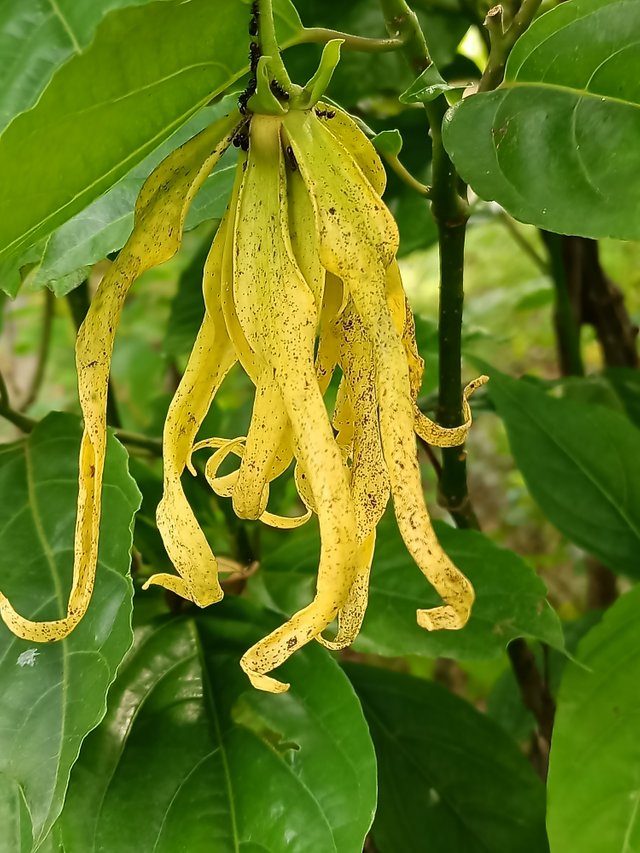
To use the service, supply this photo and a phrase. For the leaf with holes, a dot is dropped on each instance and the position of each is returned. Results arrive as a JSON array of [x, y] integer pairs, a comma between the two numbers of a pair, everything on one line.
[[230, 768], [557, 143], [54, 694]]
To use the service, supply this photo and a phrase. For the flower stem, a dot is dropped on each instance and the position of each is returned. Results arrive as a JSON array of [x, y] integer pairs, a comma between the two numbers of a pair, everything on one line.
[[406, 177], [321, 35], [269, 44]]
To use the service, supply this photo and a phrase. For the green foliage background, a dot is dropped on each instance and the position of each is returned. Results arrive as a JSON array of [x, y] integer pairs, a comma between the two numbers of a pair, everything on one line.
[[149, 738]]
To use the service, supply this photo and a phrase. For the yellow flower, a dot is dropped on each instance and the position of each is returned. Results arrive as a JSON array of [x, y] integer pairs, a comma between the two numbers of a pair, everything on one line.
[[301, 281]]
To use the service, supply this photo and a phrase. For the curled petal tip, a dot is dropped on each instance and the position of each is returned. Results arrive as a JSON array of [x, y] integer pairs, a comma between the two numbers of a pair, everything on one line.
[[474, 385], [203, 597], [445, 618], [264, 682]]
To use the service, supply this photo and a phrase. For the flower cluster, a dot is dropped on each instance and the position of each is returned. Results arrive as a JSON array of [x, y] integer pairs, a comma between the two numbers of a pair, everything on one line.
[[301, 283]]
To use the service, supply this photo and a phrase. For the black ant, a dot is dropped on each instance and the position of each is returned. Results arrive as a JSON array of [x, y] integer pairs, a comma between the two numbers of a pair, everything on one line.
[[255, 16], [241, 139], [254, 56], [325, 113], [291, 158], [280, 93]]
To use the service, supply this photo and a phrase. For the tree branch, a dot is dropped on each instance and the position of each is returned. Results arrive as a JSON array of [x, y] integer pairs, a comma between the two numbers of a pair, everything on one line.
[[10, 414], [503, 39], [451, 212]]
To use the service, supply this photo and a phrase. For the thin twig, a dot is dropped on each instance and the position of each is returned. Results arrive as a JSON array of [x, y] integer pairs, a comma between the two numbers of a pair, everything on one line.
[[10, 414], [321, 35], [406, 177], [134, 439], [503, 39], [524, 244], [43, 350], [27, 425]]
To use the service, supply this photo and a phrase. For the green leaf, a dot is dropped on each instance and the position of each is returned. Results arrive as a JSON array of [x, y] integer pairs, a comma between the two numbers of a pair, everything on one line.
[[557, 143], [36, 38], [190, 757], [446, 772], [418, 229], [427, 87], [54, 694], [105, 225], [388, 142], [581, 464], [595, 754], [187, 307], [510, 598], [626, 382], [80, 139]]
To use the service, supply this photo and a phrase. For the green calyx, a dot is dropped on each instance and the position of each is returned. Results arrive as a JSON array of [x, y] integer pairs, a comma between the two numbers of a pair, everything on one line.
[[273, 98], [317, 85], [265, 100]]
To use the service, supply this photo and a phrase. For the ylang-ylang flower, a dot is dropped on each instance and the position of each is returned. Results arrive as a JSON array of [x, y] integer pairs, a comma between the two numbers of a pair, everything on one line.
[[301, 283]]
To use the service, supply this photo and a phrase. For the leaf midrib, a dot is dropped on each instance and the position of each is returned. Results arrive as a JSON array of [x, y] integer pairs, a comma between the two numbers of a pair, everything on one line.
[[48, 553], [620, 511], [66, 26], [557, 87]]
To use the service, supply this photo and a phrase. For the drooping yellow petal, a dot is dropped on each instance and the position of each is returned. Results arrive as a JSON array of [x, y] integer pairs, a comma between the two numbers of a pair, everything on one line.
[[428, 430], [352, 614], [328, 351], [224, 486], [268, 441], [350, 136], [369, 478], [277, 311], [358, 242], [160, 212], [302, 233], [210, 360], [269, 446], [248, 359], [439, 436]]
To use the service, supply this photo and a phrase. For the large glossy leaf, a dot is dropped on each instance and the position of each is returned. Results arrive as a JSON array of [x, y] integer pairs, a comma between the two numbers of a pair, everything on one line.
[[510, 598], [36, 38], [190, 757], [110, 106], [594, 802], [557, 143], [53, 695], [105, 225], [626, 382], [449, 778], [581, 464]]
